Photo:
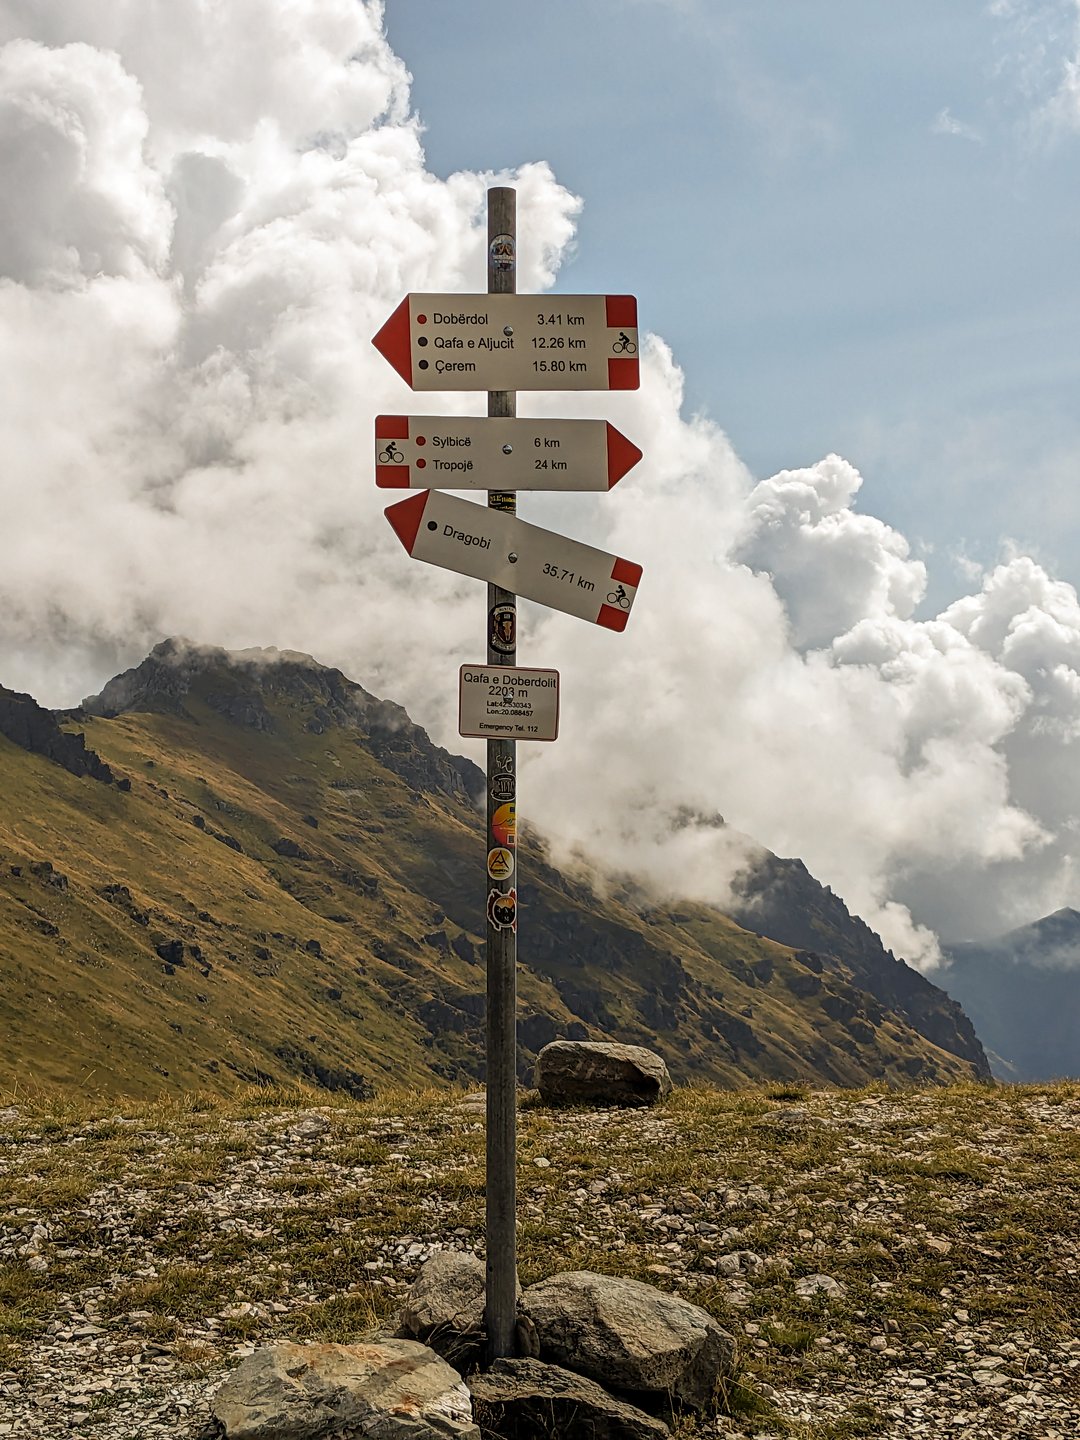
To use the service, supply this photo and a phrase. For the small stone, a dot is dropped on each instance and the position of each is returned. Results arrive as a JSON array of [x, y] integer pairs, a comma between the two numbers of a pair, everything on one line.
[[810, 1285]]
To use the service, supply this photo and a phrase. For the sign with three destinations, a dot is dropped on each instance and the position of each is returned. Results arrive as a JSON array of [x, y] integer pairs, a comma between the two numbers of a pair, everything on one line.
[[539, 564], [513, 342], [455, 452]]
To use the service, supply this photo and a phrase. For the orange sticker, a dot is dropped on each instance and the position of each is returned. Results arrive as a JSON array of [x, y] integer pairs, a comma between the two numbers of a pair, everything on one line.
[[504, 824]]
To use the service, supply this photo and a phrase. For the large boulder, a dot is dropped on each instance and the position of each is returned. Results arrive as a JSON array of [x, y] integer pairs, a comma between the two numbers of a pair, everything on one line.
[[384, 1390], [529, 1400], [593, 1072], [630, 1336]]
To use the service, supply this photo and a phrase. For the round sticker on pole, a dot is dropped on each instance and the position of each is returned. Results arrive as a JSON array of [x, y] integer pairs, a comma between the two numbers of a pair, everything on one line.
[[500, 863], [501, 252], [502, 636], [502, 910]]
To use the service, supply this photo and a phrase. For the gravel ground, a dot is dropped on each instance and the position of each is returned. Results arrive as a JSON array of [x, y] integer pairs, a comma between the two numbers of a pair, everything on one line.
[[893, 1264]]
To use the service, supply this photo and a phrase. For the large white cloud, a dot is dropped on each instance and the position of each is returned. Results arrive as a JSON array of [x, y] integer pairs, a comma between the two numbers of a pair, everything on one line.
[[831, 566], [81, 199], [217, 206], [227, 75]]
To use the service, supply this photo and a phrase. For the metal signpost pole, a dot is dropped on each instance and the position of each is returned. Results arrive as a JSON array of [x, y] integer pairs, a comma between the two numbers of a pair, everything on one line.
[[471, 342], [502, 878]]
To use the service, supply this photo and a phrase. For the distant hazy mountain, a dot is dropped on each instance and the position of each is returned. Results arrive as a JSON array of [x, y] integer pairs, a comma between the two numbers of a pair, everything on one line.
[[1022, 991], [246, 866]]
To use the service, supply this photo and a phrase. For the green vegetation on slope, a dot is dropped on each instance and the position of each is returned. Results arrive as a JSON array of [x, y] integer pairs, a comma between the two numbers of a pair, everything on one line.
[[292, 888]]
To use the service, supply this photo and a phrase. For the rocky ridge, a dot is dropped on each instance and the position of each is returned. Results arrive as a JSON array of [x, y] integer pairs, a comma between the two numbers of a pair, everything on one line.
[[782, 900], [244, 687]]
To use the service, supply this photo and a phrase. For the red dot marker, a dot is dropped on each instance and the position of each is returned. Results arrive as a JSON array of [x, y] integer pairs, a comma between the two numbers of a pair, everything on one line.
[[421, 319], [421, 439], [421, 464]]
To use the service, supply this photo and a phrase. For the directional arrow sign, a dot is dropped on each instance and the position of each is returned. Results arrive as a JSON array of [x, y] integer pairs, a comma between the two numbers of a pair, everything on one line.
[[538, 564], [513, 342], [440, 452]]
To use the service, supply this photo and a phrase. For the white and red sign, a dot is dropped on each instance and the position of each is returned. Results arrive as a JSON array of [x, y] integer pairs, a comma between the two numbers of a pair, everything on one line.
[[525, 559], [509, 702], [454, 452], [513, 342]]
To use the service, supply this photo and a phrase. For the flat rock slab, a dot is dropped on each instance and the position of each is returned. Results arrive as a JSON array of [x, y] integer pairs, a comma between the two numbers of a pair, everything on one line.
[[630, 1336], [385, 1390], [593, 1072], [529, 1400]]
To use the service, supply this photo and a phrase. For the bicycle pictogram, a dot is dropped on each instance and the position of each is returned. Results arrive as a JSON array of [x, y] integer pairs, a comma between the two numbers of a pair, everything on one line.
[[619, 597], [624, 345], [391, 455]]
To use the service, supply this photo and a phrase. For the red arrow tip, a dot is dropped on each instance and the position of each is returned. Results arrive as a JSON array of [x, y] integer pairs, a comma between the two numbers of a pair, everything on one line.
[[405, 517], [394, 341], [622, 455]]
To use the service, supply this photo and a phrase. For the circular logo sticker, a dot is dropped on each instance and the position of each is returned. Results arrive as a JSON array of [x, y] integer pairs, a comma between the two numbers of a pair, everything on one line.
[[504, 824], [503, 788], [502, 909], [500, 863], [503, 629], [501, 252]]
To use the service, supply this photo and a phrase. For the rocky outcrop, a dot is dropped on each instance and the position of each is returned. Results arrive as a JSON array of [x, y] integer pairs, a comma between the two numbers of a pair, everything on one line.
[[383, 1390], [30, 726], [245, 686], [630, 1336], [335, 1078], [592, 1072], [780, 899]]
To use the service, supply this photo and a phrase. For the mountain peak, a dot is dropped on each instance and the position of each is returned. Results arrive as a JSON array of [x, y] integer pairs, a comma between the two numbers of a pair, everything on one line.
[[1021, 990], [1065, 916], [1052, 941], [177, 666], [270, 689]]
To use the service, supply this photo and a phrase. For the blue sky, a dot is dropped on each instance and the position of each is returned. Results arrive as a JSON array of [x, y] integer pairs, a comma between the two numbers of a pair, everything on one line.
[[856, 224]]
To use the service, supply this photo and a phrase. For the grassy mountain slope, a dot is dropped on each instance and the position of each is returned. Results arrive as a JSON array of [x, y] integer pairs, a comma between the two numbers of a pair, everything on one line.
[[292, 887]]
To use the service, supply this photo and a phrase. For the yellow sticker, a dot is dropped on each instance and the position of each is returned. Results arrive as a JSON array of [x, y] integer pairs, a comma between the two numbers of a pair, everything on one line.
[[500, 863]]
